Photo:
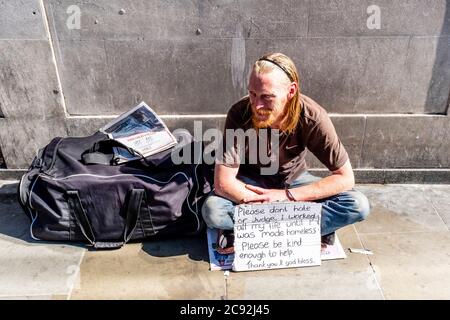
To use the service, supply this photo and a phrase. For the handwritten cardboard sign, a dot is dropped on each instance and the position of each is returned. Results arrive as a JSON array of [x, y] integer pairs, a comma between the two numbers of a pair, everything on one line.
[[276, 235]]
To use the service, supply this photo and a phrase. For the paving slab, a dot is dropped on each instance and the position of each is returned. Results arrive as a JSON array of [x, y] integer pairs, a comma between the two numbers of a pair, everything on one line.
[[350, 278], [8, 189], [164, 269], [439, 196], [407, 232], [411, 265], [399, 208], [31, 269]]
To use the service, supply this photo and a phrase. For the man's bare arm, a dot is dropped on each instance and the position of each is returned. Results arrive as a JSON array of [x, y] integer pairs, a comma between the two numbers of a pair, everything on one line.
[[228, 186], [341, 180]]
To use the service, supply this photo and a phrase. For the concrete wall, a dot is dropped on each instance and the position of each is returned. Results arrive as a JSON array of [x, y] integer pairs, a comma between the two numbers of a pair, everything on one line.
[[387, 89]]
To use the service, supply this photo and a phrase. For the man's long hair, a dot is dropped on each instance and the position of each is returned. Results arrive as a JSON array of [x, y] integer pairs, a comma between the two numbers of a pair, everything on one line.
[[284, 63]]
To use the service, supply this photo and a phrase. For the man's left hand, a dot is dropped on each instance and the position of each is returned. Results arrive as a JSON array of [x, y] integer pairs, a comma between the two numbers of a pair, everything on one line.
[[264, 195]]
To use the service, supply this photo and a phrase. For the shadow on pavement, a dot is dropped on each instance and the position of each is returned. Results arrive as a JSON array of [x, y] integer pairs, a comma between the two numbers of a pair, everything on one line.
[[13, 220], [194, 246], [14, 223]]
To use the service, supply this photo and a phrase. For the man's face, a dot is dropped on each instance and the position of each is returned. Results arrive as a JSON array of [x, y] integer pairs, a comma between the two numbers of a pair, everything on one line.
[[268, 94]]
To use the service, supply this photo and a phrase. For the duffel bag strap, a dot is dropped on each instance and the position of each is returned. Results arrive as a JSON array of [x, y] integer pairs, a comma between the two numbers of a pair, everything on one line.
[[132, 215], [76, 208], [133, 212]]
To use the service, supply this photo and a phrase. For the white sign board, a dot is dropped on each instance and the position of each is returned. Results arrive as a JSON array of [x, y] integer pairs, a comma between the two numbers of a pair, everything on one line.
[[276, 235]]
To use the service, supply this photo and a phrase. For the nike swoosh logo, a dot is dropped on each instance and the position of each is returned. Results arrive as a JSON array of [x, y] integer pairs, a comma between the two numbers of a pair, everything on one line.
[[290, 147]]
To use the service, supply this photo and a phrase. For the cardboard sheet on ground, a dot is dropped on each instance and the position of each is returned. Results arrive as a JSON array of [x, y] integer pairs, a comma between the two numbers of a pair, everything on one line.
[[291, 232]]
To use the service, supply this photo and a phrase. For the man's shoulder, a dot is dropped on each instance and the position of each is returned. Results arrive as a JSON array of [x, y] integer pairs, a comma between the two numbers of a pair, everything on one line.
[[311, 110], [240, 105], [240, 111]]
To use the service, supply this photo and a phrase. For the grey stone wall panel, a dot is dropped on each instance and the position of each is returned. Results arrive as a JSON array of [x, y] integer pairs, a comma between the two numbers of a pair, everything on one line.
[[407, 142], [21, 19], [203, 124], [20, 138], [82, 127], [173, 77], [28, 80], [161, 19], [356, 75], [84, 74], [343, 74], [398, 18], [426, 82]]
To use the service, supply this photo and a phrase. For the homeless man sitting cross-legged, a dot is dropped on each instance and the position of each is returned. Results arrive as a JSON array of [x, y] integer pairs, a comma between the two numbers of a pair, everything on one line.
[[292, 123]]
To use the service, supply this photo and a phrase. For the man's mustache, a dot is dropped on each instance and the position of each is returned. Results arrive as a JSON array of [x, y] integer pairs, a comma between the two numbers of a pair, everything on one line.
[[263, 112]]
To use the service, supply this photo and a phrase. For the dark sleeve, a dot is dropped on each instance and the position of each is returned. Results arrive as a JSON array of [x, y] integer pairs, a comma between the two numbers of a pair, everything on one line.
[[325, 144], [228, 152]]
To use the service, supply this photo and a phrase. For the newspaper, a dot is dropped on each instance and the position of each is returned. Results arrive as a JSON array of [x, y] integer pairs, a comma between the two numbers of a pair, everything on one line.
[[142, 131], [217, 261]]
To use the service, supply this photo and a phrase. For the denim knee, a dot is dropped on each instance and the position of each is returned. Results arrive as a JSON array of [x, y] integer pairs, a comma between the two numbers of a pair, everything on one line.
[[361, 205], [217, 212]]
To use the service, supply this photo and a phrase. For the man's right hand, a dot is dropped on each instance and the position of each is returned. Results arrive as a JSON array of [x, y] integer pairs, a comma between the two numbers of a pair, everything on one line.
[[265, 195], [228, 186]]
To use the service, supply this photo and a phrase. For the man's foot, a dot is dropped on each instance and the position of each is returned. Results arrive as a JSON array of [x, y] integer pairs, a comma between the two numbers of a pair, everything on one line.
[[225, 241], [328, 239]]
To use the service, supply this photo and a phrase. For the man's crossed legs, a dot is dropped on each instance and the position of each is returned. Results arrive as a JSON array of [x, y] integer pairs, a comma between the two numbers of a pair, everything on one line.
[[337, 211]]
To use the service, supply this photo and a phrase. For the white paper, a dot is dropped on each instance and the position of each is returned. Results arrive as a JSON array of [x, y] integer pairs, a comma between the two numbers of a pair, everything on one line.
[[225, 262], [277, 235], [361, 251], [141, 130]]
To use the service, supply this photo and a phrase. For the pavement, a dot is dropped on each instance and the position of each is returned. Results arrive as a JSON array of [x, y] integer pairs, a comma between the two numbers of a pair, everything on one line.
[[407, 231]]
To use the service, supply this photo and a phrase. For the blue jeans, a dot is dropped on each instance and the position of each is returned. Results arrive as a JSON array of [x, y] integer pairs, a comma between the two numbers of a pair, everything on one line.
[[337, 211]]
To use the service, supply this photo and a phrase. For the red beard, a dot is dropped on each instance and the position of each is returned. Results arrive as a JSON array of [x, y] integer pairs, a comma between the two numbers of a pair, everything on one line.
[[265, 121]]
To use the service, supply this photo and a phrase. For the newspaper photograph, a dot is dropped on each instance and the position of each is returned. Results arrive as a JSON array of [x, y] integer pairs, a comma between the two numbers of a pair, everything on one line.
[[141, 130]]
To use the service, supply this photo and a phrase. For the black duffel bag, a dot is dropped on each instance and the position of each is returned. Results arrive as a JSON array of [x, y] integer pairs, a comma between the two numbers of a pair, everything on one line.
[[74, 191]]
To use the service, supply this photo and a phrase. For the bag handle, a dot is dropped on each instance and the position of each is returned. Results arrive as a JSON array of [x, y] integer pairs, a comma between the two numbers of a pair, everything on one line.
[[132, 216], [76, 208], [94, 155], [133, 212], [102, 152]]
